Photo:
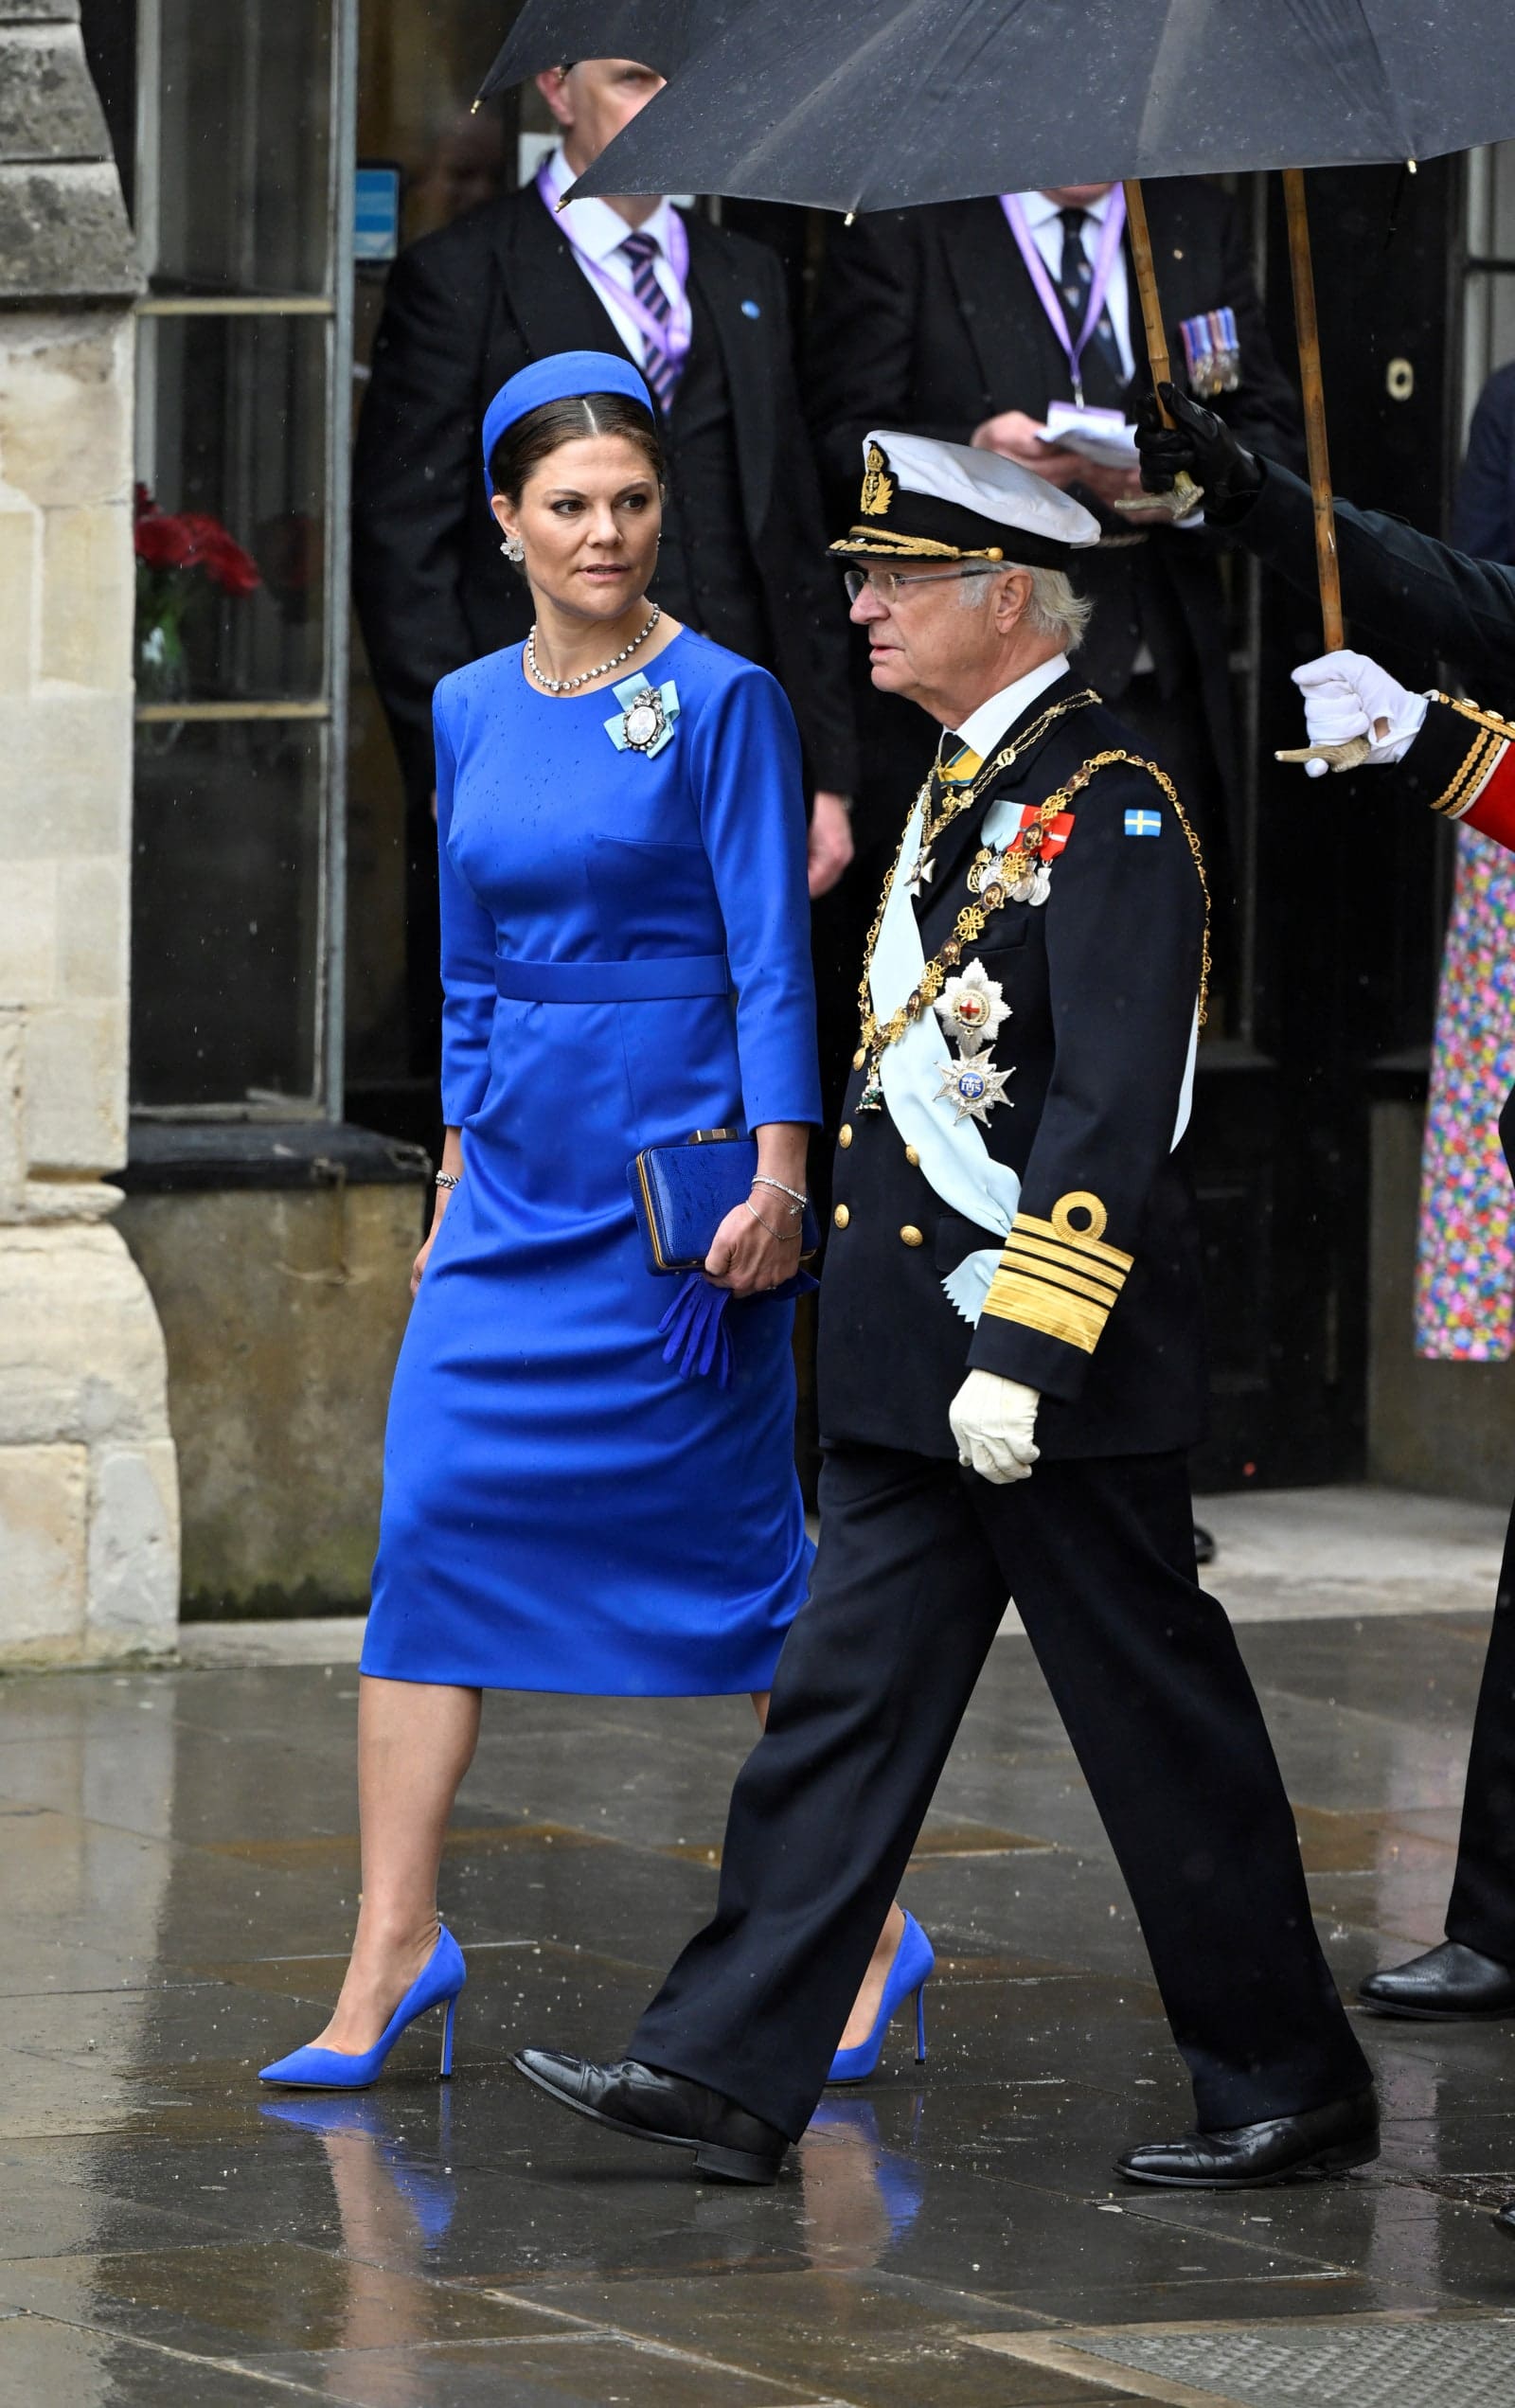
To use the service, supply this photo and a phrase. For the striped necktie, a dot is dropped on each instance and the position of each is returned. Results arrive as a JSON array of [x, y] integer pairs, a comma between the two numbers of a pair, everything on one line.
[[658, 365], [1075, 283]]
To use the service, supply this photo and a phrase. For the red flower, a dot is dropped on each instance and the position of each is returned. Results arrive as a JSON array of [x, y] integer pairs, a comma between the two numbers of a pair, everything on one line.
[[192, 540]]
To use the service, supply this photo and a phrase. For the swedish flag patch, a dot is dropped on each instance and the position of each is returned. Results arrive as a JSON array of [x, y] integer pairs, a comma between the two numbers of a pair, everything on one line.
[[1143, 823]]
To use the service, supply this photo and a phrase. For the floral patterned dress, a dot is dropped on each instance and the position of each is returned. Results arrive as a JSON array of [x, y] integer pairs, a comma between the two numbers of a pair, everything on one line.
[[1464, 1285]]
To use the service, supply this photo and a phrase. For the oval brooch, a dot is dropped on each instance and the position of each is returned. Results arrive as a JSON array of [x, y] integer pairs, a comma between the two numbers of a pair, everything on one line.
[[644, 724]]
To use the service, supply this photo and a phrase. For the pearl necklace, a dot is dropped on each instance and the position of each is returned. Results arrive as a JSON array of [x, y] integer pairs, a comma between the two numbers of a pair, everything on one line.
[[568, 685]]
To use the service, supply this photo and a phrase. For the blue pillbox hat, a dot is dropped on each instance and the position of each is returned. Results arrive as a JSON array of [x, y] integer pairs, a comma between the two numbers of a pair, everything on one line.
[[562, 375]]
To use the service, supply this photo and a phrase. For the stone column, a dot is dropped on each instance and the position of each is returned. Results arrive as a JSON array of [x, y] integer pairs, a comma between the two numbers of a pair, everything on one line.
[[88, 1492]]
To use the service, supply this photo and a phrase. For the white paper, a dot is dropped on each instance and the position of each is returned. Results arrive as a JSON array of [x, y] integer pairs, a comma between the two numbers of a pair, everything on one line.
[[1100, 436]]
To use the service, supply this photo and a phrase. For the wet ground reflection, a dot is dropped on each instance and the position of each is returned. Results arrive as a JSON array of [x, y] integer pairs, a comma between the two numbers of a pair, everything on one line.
[[178, 1869]]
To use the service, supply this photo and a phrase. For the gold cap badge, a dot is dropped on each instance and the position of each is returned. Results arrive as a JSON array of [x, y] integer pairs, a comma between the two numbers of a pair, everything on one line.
[[877, 488]]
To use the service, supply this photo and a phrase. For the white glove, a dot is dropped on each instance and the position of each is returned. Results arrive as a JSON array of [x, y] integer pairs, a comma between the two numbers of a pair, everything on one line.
[[992, 1422], [1346, 695]]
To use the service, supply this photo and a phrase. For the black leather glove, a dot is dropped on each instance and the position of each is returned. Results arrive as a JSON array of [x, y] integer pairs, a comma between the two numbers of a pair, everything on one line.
[[1199, 442]]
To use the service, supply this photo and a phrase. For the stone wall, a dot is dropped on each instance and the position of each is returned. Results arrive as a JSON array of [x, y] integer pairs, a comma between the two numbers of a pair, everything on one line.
[[88, 1497]]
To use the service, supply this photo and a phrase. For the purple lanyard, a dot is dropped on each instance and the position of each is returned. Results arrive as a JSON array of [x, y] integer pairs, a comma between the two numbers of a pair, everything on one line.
[[670, 339], [1035, 268]]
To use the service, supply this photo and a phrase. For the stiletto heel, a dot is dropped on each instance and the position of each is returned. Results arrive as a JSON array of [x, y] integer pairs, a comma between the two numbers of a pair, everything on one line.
[[438, 1983], [915, 1961]]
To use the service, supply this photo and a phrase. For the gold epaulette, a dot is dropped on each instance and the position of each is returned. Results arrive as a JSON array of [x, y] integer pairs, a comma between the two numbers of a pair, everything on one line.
[[1057, 1278], [1480, 758]]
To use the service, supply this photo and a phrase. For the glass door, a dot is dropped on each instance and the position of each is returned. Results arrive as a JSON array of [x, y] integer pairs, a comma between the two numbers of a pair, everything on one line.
[[243, 211]]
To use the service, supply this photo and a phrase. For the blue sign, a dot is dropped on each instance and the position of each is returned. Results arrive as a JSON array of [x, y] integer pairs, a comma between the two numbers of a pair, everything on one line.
[[376, 225]]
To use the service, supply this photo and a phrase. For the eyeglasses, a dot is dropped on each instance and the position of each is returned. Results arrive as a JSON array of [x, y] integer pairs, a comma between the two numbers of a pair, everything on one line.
[[887, 584]]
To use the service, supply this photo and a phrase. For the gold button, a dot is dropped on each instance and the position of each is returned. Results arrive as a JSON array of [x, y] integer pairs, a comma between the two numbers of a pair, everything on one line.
[[912, 1235], [846, 1137], [912, 1157], [840, 1215]]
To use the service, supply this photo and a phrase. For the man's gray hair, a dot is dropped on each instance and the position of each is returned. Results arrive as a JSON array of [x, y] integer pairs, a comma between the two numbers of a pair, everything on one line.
[[1052, 607]]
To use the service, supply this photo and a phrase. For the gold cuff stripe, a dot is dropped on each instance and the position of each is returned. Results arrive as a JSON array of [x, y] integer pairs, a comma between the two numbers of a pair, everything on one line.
[[1059, 1274], [1027, 1224], [1036, 1306], [1480, 717], [1475, 775]]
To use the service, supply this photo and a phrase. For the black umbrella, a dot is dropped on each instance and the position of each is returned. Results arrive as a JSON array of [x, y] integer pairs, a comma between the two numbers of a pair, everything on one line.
[[658, 33], [872, 104]]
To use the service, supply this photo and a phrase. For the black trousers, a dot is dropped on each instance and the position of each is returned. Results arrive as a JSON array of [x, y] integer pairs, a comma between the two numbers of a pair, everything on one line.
[[1481, 1912], [916, 1560]]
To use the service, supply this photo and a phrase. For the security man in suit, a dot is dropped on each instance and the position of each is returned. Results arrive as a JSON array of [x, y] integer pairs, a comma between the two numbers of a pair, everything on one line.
[[1405, 588], [702, 311], [968, 320], [1011, 1372]]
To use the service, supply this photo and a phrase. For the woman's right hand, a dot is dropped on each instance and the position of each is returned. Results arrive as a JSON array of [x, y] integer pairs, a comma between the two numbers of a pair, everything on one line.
[[418, 1268]]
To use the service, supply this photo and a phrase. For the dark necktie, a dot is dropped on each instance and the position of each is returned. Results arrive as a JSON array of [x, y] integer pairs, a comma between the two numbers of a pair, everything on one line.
[[1103, 375], [662, 374]]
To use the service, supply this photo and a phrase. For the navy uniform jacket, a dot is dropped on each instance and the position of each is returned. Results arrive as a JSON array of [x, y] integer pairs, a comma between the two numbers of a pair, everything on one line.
[[1096, 1301]]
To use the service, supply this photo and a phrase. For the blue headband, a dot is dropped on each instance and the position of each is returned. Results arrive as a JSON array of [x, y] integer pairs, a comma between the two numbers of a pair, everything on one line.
[[564, 376]]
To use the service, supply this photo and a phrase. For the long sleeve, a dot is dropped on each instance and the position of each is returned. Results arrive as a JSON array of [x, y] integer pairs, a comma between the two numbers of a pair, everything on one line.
[[1400, 587], [1462, 764], [812, 609], [468, 956], [746, 765], [1124, 926], [415, 476]]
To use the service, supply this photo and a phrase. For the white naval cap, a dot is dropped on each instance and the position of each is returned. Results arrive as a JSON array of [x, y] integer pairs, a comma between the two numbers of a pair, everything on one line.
[[927, 500]]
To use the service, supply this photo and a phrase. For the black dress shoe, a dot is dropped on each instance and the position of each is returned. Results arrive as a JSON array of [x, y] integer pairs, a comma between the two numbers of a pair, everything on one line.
[[1324, 2140], [1204, 1544], [1449, 1985], [648, 2105], [1504, 2218]]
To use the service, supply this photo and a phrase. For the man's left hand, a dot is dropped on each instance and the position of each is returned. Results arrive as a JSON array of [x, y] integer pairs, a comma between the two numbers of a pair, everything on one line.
[[993, 1422], [830, 842]]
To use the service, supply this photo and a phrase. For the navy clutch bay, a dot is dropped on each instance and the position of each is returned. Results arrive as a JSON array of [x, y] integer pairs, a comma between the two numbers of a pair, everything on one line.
[[683, 1193]]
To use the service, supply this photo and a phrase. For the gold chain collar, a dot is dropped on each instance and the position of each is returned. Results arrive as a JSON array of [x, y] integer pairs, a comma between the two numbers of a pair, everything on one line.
[[974, 919]]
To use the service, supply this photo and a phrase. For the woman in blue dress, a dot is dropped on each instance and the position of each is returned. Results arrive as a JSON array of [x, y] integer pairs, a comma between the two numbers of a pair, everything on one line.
[[625, 959]]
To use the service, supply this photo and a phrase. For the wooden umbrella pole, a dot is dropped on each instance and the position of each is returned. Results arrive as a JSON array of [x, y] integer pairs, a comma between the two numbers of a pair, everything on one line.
[[1314, 388], [1186, 495]]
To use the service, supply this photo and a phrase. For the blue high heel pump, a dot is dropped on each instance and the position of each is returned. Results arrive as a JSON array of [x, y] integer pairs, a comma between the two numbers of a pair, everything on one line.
[[915, 1961], [438, 1983]]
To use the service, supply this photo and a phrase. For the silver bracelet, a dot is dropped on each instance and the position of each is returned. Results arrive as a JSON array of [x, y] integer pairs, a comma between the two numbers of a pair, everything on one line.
[[449, 1179], [795, 1198]]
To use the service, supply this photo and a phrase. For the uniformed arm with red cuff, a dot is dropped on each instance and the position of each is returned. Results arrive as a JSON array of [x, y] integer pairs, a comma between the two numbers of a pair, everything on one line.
[[1125, 922], [1462, 762]]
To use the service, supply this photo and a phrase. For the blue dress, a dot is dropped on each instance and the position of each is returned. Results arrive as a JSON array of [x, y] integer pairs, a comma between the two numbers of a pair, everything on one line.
[[562, 1509]]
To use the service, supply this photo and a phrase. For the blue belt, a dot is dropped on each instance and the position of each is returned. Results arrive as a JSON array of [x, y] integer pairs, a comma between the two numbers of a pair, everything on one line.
[[659, 978]]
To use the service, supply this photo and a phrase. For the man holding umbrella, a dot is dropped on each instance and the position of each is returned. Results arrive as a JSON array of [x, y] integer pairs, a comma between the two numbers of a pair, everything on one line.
[[1010, 1373], [1403, 586]]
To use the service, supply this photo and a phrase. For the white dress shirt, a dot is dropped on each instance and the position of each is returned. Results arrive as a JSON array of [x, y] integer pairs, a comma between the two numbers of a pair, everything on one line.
[[599, 230], [1043, 218], [982, 729]]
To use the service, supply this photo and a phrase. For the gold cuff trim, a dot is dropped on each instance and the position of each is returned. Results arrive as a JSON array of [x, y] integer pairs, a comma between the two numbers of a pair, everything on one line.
[[1480, 717], [1478, 766], [1057, 1273], [1066, 1239], [1054, 1313]]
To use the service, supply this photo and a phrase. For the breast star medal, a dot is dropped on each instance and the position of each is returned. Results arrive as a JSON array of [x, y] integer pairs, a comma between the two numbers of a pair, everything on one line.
[[973, 1010]]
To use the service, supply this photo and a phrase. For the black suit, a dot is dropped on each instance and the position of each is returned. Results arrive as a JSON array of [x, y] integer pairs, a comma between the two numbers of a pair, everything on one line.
[[926, 320], [743, 539], [1483, 518], [1401, 587], [1095, 1304]]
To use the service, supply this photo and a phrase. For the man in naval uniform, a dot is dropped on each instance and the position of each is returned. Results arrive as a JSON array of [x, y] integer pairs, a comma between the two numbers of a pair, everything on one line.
[[1010, 1371], [1404, 588]]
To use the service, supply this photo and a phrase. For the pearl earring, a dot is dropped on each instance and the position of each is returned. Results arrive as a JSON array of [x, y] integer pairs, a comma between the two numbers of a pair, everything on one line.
[[514, 549]]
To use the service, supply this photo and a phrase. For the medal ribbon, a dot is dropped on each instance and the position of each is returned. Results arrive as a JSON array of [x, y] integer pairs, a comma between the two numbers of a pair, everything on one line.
[[669, 338], [1046, 292]]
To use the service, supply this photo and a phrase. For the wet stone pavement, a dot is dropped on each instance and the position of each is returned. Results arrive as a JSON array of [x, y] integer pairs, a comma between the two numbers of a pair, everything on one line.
[[177, 1881]]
